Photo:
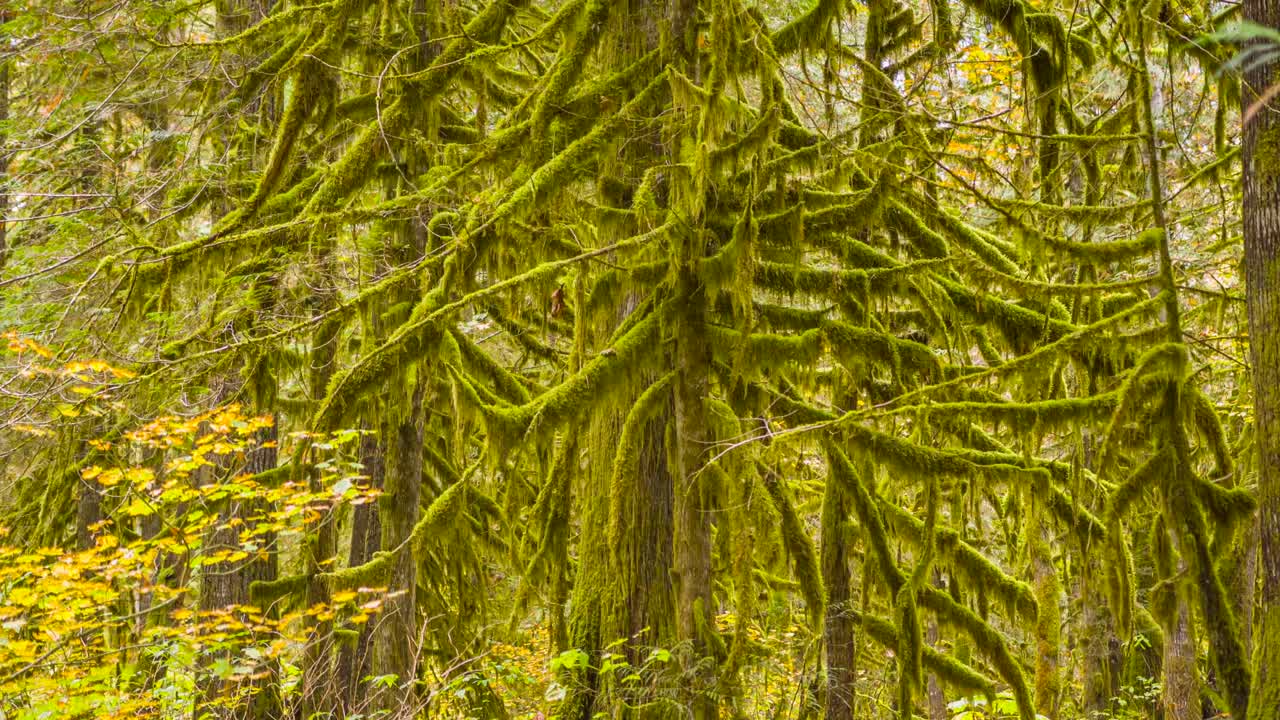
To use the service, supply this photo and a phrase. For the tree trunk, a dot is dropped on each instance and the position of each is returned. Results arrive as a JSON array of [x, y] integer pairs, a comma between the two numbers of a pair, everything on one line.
[[695, 614], [1181, 694], [395, 644], [354, 660], [838, 638], [1261, 216], [1096, 632], [5, 16], [319, 692], [1049, 616]]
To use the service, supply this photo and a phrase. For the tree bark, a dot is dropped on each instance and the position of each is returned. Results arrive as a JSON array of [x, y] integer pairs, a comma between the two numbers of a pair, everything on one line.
[[838, 637], [5, 16], [1049, 616], [395, 645], [1261, 219], [354, 660], [1096, 632], [319, 690], [1180, 699]]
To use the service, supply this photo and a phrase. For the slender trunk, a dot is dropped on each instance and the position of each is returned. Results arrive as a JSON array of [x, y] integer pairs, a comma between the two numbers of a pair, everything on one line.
[[319, 694], [1261, 215], [1180, 698], [395, 642], [647, 614], [1049, 616], [623, 589], [397, 637], [5, 16], [937, 698], [264, 566], [1096, 633], [354, 659], [838, 637], [88, 513]]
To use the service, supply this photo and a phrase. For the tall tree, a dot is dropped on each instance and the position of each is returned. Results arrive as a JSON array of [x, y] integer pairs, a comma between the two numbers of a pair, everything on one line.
[[1261, 219]]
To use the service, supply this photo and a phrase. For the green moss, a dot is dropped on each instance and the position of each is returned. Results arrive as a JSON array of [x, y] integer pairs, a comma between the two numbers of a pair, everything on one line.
[[374, 573], [987, 640], [445, 509], [1148, 475], [264, 593], [966, 561], [798, 543], [1205, 416], [626, 462], [1225, 505], [1264, 695], [854, 345], [948, 669]]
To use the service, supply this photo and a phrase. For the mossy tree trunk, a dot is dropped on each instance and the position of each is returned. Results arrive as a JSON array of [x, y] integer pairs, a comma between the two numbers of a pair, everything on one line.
[[1261, 215], [838, 635], [353, 662], [692, 563], [1044, 576], [319, 690], [395, 643], [1180, 696]]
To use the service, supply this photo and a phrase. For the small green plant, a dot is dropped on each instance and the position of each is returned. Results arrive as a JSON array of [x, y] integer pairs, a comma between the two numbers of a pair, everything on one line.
[[1133, 702]]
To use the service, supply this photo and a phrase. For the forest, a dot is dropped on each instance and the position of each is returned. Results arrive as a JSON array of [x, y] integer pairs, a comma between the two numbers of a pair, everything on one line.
[[640, 359]]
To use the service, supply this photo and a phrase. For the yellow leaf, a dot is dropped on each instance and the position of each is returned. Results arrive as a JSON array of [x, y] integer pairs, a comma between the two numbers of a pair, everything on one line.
[[22, 597], [139, 477]]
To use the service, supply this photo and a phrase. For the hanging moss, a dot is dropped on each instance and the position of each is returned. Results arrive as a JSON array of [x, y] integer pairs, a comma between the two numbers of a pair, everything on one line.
[[374, 573], [967, 562], [1163, 363], [905, 357], [955, 673], [799, 545], [987, 640], [511, 387], [628, 356], [1205, 416], [929, 243], [555, 173], [728, 157], [420, 329], [764, 352], [1146, 476], [445, 509], [868, 513], [1041, 415], [910, 650], [844, 215], [791, 280], [1101, 252], [810, 31], [264, 593], [1227, 506], [549, 518], [908, 456], [296, 110], [627, 460]]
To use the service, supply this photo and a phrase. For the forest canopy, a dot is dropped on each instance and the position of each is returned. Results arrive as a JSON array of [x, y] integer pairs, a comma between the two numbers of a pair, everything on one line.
[[577, 359]]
